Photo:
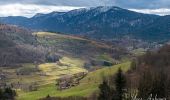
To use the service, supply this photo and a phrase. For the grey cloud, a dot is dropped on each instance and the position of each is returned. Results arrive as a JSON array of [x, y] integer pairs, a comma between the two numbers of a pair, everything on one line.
[[143, 4], [132, 4], [56, 2]]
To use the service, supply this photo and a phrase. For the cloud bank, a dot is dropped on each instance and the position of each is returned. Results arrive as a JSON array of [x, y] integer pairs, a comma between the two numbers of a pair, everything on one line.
[[131, 4], [161, 11], [29, 10]]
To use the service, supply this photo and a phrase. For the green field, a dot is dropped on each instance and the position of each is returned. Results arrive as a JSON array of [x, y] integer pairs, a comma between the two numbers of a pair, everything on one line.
[[87, 86]]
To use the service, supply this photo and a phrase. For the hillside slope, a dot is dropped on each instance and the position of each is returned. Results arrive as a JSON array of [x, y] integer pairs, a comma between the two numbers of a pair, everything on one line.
[[77, 46], [87, 86], [22, 46], [46, 56], [43, 57], [157, 30], [17, 46]]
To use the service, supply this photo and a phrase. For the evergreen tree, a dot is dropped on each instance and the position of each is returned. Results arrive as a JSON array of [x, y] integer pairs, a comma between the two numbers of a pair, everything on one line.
[[7, 94], [133, 65], [120, 85], [1, 94], [105, 91]]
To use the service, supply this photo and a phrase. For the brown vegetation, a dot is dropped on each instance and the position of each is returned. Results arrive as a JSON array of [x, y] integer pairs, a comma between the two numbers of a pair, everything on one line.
[[151, 74], [18, 45]]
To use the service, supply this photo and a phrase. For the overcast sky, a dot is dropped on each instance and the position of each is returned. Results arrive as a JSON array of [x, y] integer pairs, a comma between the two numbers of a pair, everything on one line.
[[29, 8]]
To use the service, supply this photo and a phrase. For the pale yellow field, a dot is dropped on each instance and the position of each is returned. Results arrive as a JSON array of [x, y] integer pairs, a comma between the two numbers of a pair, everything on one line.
[[47, 73]]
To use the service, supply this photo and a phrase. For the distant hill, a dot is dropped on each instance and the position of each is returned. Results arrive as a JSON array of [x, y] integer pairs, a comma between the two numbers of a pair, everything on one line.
[[74, 46], [19, 45], [157, 30], [99, 22]]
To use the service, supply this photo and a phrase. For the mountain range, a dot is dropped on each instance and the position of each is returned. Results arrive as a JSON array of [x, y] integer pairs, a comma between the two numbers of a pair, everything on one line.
[[99, 23]]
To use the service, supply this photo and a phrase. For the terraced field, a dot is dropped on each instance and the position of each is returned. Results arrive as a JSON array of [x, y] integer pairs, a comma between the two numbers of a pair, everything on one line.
[[42, 74]]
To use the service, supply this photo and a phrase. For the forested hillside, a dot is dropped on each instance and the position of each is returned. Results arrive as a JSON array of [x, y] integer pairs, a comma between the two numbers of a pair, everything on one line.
[[151, 72], [17, 45]]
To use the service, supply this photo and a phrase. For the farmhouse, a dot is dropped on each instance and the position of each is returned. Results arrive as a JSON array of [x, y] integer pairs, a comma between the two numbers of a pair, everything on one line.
[[69, 81], [64, 82], [2, 76], [2, 82]]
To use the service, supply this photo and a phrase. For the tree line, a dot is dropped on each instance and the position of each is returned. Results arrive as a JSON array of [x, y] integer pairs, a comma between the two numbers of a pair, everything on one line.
[[148, 78]]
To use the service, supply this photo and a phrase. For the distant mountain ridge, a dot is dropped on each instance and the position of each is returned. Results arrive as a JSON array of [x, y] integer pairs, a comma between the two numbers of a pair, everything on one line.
[[99, 22]]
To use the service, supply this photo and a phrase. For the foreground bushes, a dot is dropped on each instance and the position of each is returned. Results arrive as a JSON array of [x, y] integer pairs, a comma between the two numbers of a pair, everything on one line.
[[7, 94]]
